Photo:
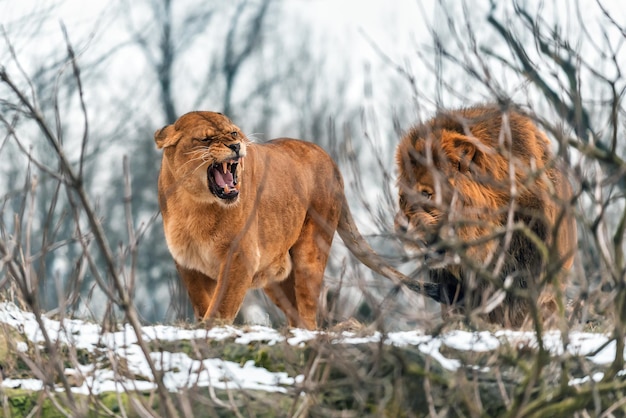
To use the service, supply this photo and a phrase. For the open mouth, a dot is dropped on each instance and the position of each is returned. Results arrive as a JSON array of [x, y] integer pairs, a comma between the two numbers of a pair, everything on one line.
[[222, 178]]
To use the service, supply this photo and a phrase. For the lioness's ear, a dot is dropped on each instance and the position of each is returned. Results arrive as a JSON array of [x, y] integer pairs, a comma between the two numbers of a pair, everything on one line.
[[166, 137]]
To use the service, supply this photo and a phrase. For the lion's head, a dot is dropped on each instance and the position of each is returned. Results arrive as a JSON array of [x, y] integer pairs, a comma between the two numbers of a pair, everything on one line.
[[205, 153], [458, 173], [479, 187]]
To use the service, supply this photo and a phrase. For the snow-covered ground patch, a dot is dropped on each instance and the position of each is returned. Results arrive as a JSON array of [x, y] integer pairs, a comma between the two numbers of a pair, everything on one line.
[[181, 371]]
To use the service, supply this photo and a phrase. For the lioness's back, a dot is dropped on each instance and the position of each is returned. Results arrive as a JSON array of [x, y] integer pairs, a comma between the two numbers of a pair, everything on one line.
[[302, 165]]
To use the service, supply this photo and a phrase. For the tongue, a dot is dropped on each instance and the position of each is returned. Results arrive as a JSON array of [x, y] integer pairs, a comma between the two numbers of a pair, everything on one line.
[[223, 179]]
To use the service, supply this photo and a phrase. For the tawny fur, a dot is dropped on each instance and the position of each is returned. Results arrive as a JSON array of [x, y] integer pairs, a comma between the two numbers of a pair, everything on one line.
[[463, 177], [273, 233]]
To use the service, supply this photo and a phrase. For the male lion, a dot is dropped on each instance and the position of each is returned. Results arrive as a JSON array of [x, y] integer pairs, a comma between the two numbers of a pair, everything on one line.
[[267, 223], [489, 208]]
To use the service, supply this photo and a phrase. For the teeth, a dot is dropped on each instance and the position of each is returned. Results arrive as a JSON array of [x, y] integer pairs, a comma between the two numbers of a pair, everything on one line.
[[237, 186], [226, 188], [224, 166]]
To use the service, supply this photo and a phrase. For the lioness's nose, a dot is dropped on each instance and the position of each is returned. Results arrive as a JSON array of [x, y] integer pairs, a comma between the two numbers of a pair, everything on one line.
[[235, 147]]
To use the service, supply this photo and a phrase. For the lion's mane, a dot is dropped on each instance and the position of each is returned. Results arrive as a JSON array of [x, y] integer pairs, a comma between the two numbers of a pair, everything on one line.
[[486, 204]]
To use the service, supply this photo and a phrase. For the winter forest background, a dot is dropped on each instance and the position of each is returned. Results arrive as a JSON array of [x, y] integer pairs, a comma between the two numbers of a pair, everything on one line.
[[85, 85]]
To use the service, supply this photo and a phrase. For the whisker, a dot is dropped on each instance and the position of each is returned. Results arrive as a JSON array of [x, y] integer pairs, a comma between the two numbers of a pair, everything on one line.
[[255, 136], [196, 154], [197, 168], [199, 151], [204, 157]]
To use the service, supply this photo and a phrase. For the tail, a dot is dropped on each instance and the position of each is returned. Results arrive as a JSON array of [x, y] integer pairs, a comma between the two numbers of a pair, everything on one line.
[[357, 245]]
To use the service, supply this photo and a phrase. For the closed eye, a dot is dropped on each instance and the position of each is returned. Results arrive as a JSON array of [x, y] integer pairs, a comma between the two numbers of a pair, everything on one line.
[[207, 139], [424, 192]]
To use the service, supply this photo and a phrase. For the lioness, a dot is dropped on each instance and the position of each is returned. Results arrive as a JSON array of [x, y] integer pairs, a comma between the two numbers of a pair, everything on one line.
[[487, 205], [240, 215]]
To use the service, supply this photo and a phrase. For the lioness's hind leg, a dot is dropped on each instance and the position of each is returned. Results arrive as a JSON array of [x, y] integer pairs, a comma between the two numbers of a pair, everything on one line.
[[284, 296], [309, 256], [200, 289]]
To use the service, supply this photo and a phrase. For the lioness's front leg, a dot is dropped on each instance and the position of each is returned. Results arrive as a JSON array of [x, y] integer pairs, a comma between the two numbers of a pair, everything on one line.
[[234, 281]]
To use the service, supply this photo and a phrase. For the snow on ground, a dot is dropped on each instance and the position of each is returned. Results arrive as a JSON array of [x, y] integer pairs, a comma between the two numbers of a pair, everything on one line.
[[181, 371]]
